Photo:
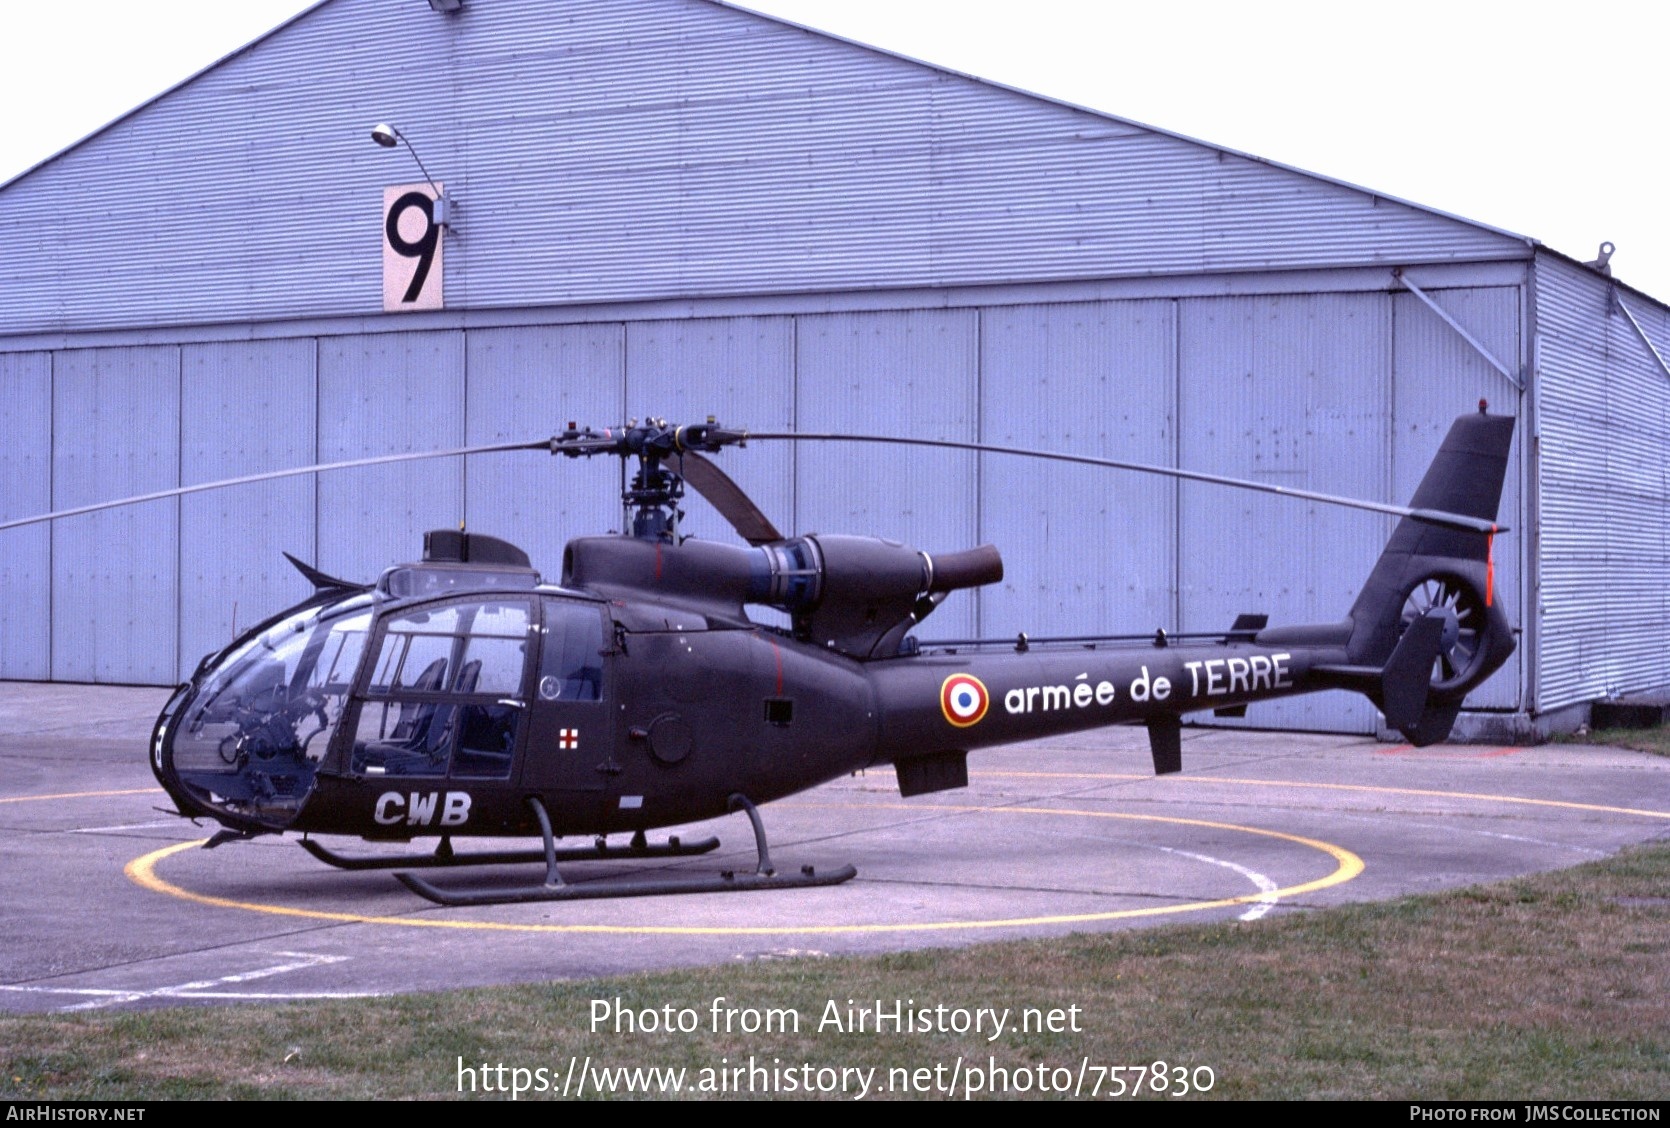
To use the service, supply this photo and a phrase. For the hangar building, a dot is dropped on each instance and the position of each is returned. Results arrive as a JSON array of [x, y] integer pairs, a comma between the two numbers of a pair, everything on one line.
[[681, 208]]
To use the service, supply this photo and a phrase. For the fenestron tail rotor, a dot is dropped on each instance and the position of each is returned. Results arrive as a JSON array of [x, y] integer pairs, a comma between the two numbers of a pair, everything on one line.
[[1465, 617]]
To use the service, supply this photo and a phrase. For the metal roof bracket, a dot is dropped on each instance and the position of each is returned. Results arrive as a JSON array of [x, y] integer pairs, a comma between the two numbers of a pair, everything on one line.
[[1397, 273], [1615, 301]]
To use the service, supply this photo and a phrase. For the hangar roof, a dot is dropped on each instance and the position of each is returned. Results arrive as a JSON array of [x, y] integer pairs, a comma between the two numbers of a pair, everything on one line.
[[628, 150]]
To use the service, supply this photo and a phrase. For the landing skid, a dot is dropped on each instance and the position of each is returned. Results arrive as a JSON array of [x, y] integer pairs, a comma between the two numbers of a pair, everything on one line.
[[764, 875], [444, 855]]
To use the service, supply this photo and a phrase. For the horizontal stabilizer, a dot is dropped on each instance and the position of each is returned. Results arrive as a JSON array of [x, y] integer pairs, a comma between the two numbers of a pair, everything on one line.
[[1408, 673]]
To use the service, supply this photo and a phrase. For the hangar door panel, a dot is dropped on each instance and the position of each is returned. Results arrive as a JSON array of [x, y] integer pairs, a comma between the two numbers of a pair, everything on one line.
[[1290, 390], [911, 372], [1602, 608], [247, 409], [116, 433], [1085, 550], [740, 369], [25, 490], [388, 393], [528, 381]]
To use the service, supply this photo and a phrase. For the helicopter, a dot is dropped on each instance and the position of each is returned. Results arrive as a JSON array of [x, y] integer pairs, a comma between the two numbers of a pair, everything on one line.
[[464, 695]]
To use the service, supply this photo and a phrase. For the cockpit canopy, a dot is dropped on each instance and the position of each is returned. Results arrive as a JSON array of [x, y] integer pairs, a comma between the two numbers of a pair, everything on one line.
[[364, 683]]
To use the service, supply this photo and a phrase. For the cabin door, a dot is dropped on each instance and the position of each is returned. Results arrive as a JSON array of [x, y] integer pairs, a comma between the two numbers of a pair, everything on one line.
[[571, 745]]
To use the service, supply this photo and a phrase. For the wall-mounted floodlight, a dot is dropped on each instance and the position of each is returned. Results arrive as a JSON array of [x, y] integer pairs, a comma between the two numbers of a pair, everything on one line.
[[390, 138]]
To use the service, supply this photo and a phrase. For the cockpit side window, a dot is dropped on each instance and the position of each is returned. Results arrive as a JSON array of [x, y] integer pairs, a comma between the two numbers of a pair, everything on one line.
[[418, 651], [330, 673], [571, 665], [443, 694], [495, 653], [339, 658]]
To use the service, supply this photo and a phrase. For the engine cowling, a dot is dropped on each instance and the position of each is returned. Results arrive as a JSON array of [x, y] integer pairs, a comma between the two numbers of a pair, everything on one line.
[[856, 595], [868, 591]]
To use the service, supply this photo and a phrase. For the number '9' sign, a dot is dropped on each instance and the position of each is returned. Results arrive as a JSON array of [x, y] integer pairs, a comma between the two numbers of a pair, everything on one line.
[[412, 245]]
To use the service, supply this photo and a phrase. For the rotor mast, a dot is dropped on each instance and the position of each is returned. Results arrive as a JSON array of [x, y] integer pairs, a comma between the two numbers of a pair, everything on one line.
[[650, 501]]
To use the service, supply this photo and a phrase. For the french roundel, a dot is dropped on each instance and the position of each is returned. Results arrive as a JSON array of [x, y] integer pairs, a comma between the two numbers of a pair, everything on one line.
[[963, 699]]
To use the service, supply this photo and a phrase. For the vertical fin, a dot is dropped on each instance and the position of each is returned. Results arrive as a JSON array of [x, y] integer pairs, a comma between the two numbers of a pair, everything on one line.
[[1246, 627], [1434, 725], [1465, 477], [1407, 675], [1165, 741]]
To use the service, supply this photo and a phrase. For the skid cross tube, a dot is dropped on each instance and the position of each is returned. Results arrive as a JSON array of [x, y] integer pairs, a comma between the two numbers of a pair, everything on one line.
[[554, 888]]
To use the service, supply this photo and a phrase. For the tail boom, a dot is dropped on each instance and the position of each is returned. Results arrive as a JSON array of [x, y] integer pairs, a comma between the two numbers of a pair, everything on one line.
[[1425, 630]]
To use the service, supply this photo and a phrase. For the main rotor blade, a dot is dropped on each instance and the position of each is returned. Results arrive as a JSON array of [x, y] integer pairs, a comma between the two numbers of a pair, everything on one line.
[[727, 497], [1434, 516], [319, 468], [746, 517]]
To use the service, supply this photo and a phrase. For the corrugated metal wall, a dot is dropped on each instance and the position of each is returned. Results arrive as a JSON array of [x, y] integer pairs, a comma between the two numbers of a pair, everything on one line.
[[388, 393], [634, 149], [526, 382], [1603, 412], [1345, 392]]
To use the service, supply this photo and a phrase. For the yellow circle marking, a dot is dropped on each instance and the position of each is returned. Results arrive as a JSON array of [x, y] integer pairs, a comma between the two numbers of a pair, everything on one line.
[[1482, 796], [82, 795], [143, 872]]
